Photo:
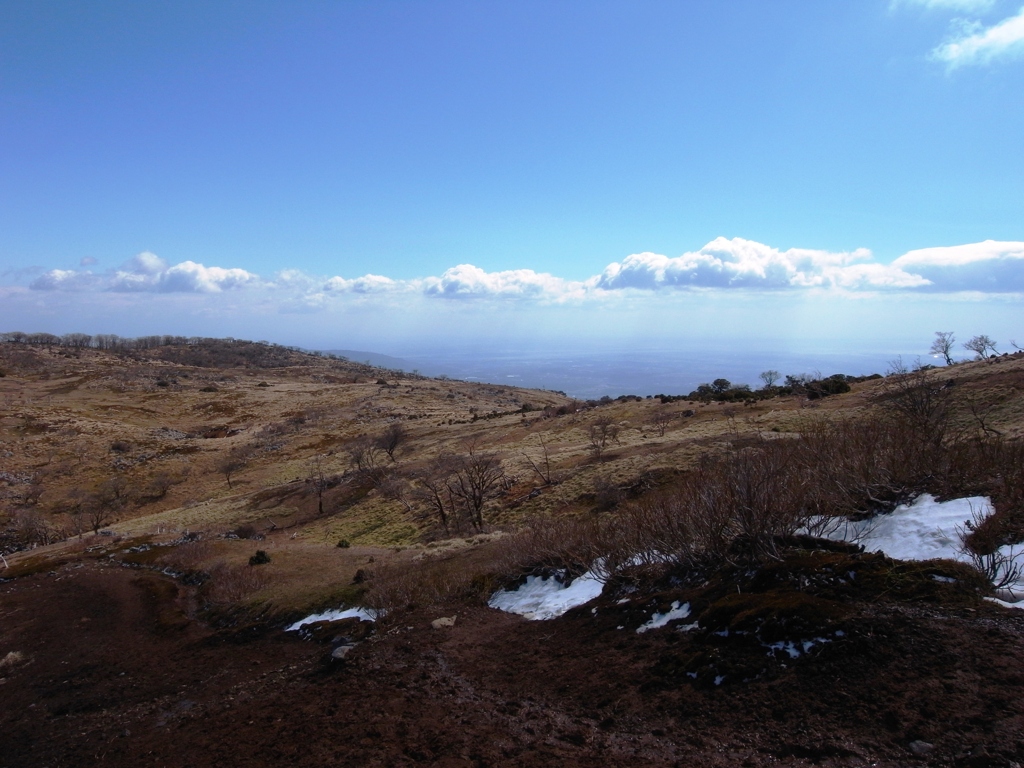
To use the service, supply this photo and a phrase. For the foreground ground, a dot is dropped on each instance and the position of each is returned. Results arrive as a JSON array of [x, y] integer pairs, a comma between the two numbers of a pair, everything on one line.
[[111, 671]]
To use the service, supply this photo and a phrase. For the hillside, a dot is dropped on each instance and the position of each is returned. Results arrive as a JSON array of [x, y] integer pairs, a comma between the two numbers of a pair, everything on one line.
[[136, 483]]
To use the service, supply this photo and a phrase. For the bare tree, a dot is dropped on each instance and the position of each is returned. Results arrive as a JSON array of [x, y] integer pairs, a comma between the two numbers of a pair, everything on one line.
[[435, 491], [113, 492], [602, 432], [661, 419], [476, 479], [943, 345], [980, 345], [392, 439], [318, 479], [769, 378], [396, 488], [234, 461], [368, 460], [542, 466]]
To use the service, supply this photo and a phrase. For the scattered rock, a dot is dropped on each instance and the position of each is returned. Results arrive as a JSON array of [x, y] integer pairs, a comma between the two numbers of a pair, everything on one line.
[[920, 748], [341, 652], [444, 621], [11, 660]]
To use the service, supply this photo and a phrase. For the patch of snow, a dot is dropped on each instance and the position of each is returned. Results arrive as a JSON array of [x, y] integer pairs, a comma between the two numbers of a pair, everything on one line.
[[922, 530], [677, 611], [363, 614], [789, 647], [719, 679], [796, 649], [542, 598], [1006, 604]]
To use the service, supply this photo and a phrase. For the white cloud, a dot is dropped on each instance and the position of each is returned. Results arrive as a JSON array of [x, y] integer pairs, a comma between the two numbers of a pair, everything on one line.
[[148, 272], [723, 264], [975, 44], [991, 266], [192, 277], [739, 263], [65, 280], [364, 284], [468, 281]]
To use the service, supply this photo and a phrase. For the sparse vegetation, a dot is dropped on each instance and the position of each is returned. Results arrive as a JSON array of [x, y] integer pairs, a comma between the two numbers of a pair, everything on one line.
[[422, 498]]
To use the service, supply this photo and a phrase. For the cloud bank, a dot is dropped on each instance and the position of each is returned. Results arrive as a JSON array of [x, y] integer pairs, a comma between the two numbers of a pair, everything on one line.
[[148, 272], [724, 265], [739, 263]]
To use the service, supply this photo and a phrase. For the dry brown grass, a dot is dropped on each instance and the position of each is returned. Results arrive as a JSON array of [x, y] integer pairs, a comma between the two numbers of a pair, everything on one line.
[[59, 418]]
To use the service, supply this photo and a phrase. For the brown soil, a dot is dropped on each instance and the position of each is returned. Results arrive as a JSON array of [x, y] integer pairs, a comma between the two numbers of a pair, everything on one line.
[[112, 672]]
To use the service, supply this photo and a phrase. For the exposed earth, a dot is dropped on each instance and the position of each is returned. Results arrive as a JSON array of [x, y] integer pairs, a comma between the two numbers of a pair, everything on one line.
[[114, 672]]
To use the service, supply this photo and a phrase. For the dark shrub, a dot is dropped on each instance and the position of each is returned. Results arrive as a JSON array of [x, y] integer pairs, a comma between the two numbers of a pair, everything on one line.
[[260, 558]]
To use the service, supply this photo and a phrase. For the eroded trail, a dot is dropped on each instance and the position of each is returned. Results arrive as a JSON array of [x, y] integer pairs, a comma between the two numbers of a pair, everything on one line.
[[113, 673]]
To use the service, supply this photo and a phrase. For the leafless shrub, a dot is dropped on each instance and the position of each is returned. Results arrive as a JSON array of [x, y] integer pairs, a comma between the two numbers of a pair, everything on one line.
[[32, 529], [367, 460], [915, 397], [234, 461], [396, 488], [1003, 566], [661, 420], [393, 438], [157, 486], [541, 466], [231, 583], [601, 434], [572, 543], [399, 586], [190, 555]]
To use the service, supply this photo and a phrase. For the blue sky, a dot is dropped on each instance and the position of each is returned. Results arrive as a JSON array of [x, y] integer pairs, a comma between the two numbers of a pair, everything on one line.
[[394, 174]]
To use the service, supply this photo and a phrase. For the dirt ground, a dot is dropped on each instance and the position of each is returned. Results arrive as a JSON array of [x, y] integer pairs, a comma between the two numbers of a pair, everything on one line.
[[101, 666]]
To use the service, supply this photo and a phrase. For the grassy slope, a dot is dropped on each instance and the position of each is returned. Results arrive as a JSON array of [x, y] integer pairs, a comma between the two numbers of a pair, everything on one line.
[[61, 415]]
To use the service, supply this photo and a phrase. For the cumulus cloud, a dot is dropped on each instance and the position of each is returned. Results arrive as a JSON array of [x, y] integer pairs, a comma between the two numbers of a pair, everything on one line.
[[148, 272], [723, 264], [977, 44], [991, 266], [66, 280], [468, 281], [364, 284], [739, 263]]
